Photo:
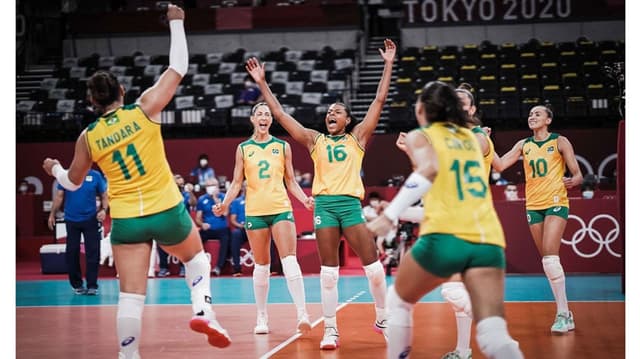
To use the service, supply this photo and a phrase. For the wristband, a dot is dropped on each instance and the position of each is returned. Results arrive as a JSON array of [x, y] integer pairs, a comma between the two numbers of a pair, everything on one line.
[[413, 189], [62, 176]]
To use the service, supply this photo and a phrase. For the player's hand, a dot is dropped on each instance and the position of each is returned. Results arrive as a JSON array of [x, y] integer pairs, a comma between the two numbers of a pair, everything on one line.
[[205, 226], [52, 221], [571, 182], [48, 165], [106, 253], [255, 69], [389, 51], [380, 226], [101, 215], [174, 12], [309, 203], [401, 142]]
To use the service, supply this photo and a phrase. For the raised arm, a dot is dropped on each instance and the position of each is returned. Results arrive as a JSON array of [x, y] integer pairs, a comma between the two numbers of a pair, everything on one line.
[[566, 149], [303, 135], [508, 159], [235, 186], [290, 181], [72, 178], [156, 97], [365, 128]]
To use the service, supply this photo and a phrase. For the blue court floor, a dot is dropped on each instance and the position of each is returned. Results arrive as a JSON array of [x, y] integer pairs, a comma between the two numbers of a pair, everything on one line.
[[161, 291]]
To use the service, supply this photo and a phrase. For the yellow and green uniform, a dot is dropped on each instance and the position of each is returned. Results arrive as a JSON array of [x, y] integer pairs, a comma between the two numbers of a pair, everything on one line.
[[459, 201], [264, 167], [544, 168], [337, 162], [460, 228], [128, 148], [337, 186], [487, 158]]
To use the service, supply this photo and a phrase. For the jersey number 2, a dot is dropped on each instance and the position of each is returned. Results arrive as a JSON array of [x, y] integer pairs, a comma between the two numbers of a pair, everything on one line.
[[264, 167], [131, 151]]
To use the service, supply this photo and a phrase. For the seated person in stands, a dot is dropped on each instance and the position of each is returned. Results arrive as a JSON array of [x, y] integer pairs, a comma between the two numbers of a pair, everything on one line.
[[251, 94]]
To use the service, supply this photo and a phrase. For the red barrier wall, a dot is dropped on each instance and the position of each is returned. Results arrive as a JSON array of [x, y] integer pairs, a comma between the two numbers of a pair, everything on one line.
[[382, 160]]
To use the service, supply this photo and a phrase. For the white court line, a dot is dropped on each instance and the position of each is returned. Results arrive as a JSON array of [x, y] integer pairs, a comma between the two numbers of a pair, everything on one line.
[[313, 325]]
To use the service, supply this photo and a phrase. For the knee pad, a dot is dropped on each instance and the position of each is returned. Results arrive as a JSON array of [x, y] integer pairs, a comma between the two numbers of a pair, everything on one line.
[[494, 340], [552, 267], [375, 272], [456, 294], [261, 274], [399, 312], [291, 268], [329, 277], [130, 305]]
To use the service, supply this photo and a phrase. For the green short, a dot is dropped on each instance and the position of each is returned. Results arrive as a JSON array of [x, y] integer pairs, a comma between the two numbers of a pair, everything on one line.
[[537, 215], [337, 211], [168, 227], [260, 222], [444, 254]]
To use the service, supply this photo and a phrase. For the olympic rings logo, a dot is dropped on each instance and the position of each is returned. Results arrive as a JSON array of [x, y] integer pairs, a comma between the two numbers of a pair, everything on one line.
[[594, 235], [246, 258]]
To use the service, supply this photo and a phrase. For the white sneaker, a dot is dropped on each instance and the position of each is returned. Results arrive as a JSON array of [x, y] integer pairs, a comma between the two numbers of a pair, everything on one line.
[[261, 324], [217, 336], [135, 355], [330, 340], [563, 323], [304, 325], [380, 327]]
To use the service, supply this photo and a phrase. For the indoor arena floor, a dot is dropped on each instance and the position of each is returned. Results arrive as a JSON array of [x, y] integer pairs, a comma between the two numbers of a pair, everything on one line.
[[52, 322]]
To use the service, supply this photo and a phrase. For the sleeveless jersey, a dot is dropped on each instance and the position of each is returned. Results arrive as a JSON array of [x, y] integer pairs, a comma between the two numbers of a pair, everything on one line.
[[337, 162], [264, 166], [128, 147], [544, 168], [487, 157], [459, 202]]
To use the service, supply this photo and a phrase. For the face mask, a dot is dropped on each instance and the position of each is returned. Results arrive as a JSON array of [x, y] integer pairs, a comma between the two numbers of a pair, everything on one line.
[[211, 190], [587, 194], [374, 203], [248, 84], [23, 188], [495, 176], [511, 195], [203, 162]]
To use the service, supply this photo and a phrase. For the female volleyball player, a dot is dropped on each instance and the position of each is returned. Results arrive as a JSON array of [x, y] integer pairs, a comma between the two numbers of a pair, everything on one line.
[[126, 143], [338, 190], [265, 161], [544, 157]]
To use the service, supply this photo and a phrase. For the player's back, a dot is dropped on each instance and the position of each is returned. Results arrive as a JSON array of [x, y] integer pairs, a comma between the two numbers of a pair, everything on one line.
[[459, 201], [128, 147]]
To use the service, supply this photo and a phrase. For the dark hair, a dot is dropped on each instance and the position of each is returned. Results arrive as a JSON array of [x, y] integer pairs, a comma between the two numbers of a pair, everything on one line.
[[467, 89], [549, 109], [441, 104], [374, 195], [104, 89], [353, 122], [203, 156]]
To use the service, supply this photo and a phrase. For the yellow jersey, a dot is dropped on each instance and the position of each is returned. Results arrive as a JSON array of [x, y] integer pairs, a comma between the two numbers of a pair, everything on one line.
[[459, 202], [337, 162], [128, 148], [487, 158], [544, 168], [264, 166]]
